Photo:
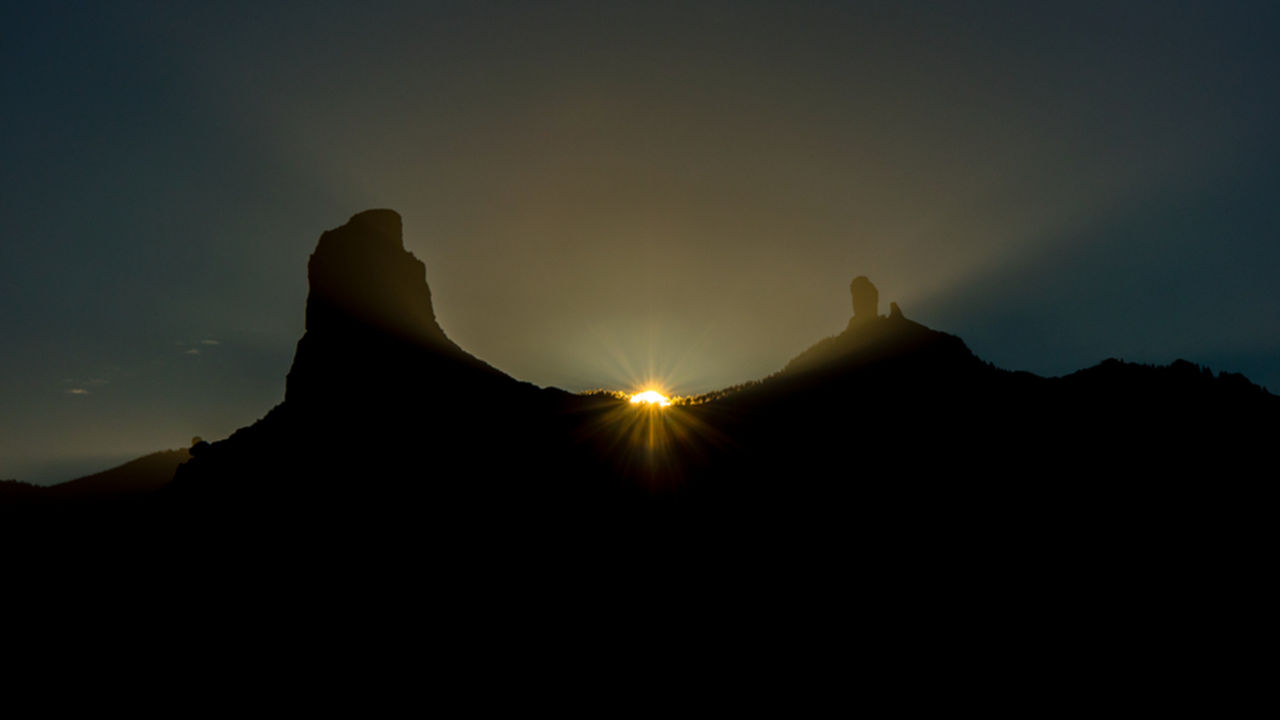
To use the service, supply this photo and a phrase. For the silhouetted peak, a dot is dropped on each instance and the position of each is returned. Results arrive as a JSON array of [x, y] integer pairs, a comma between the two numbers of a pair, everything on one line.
[[370, 322], [866, 299], [380, 225], [871, 337], [362, 278], [866, 304]]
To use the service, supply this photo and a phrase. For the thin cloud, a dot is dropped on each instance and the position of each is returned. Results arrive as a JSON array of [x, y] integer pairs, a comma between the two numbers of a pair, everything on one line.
[[210, 342], [76, 391], [192, 351]]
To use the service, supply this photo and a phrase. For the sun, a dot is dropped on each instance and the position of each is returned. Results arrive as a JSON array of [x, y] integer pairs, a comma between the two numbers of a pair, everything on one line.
[[650, 397]]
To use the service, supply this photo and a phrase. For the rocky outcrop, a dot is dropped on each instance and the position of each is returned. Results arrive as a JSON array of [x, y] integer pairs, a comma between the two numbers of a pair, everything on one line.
[[866, 304], [362, 279], [873, 338], [866, 299], [378, 401], [370, 324]]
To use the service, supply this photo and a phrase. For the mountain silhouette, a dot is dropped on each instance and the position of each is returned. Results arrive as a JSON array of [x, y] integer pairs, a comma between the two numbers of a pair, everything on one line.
[[909, 416], [885, 479], [382, 412], [388, 429], [370, 326]]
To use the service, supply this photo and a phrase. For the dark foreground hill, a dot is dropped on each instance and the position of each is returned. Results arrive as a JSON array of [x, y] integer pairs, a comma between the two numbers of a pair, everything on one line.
[[389, 426], [887, 495]]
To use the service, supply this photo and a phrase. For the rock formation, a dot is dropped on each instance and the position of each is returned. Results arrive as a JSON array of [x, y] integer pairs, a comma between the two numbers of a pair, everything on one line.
[[362, 278], [866, 299], [378, 400], [369, 318]]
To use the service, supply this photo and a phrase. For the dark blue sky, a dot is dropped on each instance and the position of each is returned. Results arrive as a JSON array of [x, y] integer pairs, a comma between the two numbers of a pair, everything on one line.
[[607, 191]]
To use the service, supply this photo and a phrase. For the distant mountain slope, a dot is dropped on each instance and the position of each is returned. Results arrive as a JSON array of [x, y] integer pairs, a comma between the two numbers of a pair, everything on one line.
[[136, 477], [146, 474]]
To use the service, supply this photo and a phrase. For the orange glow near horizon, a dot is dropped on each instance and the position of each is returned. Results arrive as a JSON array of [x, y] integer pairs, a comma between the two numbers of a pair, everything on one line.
[[650, 397]]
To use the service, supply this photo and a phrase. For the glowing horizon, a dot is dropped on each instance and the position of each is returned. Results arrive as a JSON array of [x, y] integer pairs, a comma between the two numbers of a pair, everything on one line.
[[650, 397]]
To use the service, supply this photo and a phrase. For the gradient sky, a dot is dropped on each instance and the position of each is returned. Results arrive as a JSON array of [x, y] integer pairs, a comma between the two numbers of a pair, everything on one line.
[[607, 190]]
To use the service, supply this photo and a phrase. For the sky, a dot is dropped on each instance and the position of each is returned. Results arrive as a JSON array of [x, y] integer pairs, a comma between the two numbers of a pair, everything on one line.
[[605, 193]]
